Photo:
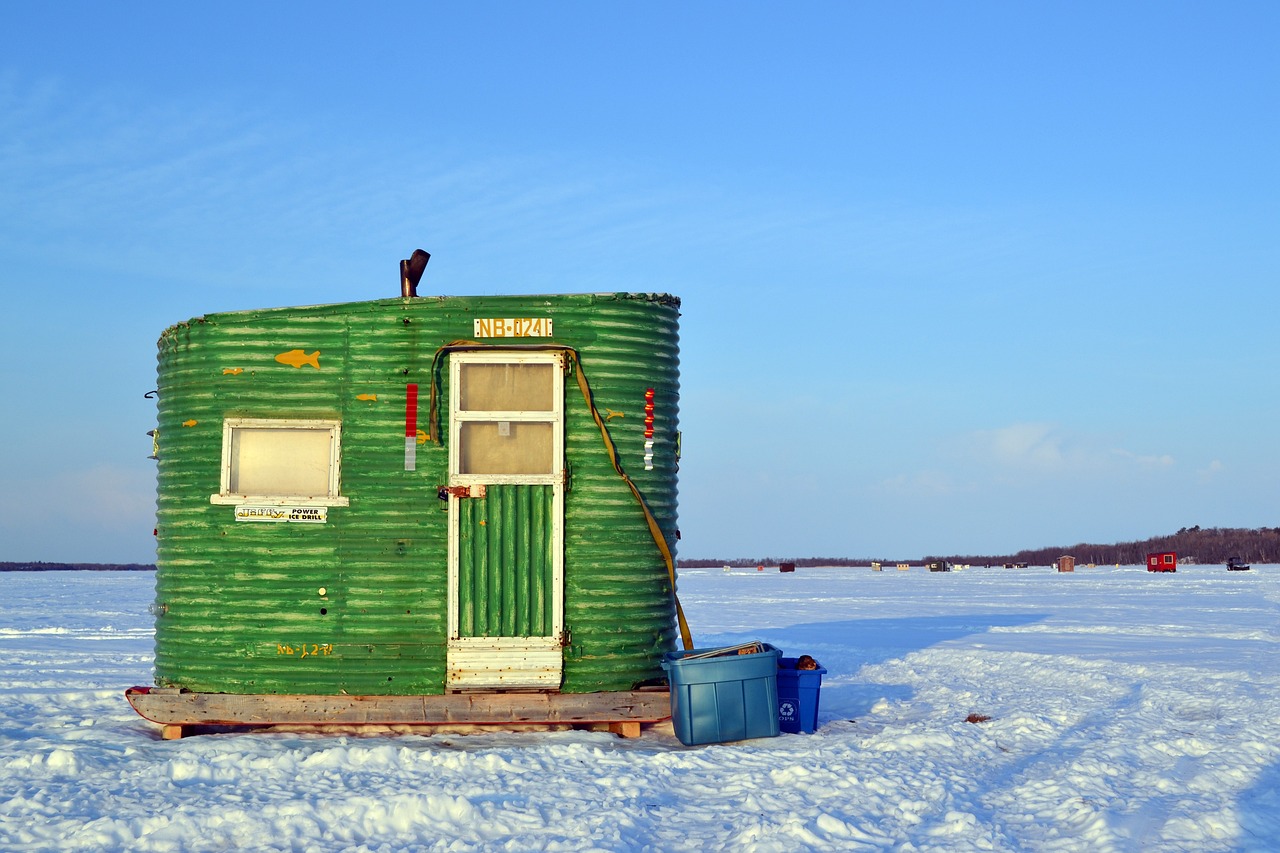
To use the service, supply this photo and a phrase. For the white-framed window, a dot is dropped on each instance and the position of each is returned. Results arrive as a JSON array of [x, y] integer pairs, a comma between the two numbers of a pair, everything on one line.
[[294, 461]]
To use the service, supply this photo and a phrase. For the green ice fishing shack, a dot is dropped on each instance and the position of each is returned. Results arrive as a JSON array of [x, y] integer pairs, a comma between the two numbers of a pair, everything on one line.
[[417, 510]]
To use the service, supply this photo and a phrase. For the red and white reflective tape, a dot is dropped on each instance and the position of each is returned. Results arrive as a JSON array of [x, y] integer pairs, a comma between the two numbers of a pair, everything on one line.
[[648, 429], [411, 427]]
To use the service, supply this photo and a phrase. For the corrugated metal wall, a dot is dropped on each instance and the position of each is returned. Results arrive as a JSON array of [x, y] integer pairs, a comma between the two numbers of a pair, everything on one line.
[[358, 604], [504, 587]]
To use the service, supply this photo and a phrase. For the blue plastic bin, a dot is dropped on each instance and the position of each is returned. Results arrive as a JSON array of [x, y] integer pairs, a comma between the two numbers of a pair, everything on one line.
[[798, 691], [718, 699]]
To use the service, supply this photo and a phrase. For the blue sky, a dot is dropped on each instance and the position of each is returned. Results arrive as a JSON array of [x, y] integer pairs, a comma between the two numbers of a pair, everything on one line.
[[957, 278]]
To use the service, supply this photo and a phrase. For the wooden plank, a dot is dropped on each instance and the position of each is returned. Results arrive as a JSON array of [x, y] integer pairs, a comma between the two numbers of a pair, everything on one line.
[[625, 729], [173, 708]]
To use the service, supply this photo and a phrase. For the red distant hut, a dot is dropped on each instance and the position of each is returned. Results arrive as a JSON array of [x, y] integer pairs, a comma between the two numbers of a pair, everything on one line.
[[1162, 561]]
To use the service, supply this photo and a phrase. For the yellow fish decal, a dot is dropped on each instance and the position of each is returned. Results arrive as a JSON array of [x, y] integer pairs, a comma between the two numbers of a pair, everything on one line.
[[232, 371], [297, 358], [367, 397], [191, 422]]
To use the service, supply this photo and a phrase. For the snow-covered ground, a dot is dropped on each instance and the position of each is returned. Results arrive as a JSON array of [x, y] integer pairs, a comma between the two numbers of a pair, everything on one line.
[[1128, 712]]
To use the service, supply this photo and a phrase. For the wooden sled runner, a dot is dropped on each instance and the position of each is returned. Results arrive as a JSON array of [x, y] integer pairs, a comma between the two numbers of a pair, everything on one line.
[[178, 711]]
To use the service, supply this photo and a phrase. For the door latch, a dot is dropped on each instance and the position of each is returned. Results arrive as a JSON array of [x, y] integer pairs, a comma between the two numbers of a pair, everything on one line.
[[475, 490]]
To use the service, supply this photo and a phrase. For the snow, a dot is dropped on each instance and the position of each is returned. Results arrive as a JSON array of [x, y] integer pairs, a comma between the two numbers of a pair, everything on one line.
[[1128, 712]]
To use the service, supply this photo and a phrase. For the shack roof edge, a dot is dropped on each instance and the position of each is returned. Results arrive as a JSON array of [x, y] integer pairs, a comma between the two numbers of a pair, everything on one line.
[[659, 298]]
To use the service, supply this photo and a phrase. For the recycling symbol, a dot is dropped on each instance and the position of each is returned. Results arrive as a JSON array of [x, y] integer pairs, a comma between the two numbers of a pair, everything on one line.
[[786, 709]]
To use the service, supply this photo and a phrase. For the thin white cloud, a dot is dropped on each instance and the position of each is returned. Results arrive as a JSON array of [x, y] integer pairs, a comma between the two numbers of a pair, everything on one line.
[[1211, 471], [1028, 446], [920, 484], [150, 188], [1147, 461], [77, 502], [1045, 449]]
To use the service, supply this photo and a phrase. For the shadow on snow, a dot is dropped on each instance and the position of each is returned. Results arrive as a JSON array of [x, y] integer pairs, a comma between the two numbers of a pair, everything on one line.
[[844, 647]]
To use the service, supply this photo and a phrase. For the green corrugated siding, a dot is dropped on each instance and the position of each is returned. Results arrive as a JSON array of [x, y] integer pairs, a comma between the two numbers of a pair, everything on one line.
[[241, 604]]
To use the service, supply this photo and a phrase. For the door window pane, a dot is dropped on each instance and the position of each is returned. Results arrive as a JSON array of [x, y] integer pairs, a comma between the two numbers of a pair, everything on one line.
[[505, 447], [507, 388]]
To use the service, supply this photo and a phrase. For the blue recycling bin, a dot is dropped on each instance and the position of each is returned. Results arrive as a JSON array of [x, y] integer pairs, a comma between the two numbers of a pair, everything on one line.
[[798, 692]]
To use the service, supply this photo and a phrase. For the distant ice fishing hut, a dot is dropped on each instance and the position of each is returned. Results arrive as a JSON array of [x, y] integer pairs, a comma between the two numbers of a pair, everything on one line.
[[418, 510]]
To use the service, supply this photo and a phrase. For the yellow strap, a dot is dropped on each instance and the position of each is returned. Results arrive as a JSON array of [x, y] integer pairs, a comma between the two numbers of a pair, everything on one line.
[[654, 530], [433, 413]]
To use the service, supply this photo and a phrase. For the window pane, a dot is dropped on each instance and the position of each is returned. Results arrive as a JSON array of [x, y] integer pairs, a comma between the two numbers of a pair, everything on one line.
[[290, 462], [507, 387], [505, 447]]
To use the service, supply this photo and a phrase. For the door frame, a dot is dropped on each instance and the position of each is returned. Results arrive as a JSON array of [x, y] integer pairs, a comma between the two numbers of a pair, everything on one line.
[[514, 663]]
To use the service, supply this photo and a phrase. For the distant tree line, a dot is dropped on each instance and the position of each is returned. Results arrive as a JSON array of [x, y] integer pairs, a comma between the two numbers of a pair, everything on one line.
[[1206, 545], [743, 563], [1194, 545], [76, 567]]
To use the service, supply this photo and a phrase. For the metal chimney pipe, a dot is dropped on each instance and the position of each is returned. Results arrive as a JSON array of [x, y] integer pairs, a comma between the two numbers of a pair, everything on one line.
[[411, 272]]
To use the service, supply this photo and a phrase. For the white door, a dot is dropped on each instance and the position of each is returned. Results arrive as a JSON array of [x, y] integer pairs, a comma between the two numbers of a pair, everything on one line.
[[506, 511]]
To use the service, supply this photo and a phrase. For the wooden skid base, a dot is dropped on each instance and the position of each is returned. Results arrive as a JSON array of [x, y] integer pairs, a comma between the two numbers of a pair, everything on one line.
[[621, 712]]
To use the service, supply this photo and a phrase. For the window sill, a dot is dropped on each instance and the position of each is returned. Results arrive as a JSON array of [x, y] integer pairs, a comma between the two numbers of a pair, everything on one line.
[[275, 500]]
